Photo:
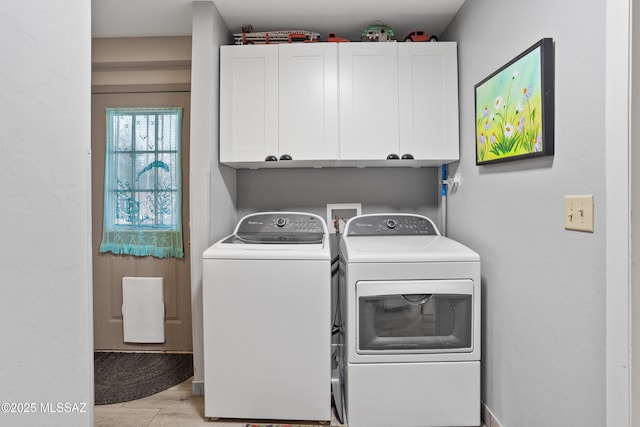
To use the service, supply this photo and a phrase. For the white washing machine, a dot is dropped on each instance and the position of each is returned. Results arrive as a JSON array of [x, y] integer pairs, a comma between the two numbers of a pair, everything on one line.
[[410, 301], [266, 320]]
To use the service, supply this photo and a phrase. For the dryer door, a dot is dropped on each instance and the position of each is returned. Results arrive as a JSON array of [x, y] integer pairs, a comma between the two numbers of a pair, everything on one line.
[[409, 317]]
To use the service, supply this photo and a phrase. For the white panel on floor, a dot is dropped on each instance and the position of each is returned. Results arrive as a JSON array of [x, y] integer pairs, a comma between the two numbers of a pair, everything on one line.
[[143, 309]]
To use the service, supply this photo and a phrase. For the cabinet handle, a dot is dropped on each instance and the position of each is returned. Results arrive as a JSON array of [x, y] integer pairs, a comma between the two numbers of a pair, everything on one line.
[[392, 157], [271, 158], [286, 157], [407, 157]]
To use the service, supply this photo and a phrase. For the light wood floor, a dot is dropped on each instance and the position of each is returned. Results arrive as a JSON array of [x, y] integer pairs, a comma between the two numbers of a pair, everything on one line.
[[170, 408]]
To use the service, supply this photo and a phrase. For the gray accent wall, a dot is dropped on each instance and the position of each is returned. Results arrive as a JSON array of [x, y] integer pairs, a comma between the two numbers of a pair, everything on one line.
[[543, 358], [413, 190]]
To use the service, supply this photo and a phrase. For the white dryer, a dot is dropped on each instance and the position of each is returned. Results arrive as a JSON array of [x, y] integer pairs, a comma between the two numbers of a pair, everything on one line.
[[266, 317], [410, 301]]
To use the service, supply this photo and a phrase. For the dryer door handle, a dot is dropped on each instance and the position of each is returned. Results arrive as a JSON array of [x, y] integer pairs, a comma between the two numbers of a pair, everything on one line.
[[417, 299]]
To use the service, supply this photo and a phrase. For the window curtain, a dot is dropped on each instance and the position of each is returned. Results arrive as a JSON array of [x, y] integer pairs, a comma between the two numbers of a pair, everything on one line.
[[143, 188]]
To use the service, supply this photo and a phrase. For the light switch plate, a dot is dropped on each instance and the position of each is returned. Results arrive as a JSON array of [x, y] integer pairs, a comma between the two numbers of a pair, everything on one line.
[[578, 213]]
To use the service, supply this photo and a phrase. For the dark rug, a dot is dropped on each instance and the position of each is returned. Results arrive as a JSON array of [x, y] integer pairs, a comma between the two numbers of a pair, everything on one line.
[[121, 377]]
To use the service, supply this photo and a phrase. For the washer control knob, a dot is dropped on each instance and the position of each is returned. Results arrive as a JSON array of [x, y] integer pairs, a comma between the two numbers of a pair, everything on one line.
[[392, 223], [280, 222]]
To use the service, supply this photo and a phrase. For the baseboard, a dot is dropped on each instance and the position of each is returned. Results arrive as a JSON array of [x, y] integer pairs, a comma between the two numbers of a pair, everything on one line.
[[197, 388], [487, 417]]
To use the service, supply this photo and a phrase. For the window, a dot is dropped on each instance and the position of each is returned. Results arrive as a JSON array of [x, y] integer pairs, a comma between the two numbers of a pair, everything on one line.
[[142, 190]]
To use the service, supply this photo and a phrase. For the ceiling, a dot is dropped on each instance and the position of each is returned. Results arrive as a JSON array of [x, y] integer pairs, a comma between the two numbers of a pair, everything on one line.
[[347, 18]]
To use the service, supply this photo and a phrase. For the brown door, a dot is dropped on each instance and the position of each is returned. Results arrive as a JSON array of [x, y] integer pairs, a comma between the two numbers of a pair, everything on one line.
[[109, 269]]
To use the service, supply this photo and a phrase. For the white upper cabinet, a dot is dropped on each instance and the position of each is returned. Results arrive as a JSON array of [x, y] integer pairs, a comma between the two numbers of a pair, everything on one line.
[[368, 101], [399, 101], [308, 97], [339, 104], [278, 103], [428, 93], [248, 103]]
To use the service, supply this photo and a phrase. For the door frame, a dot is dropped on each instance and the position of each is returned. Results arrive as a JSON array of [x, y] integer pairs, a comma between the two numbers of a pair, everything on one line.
[[618, 212]]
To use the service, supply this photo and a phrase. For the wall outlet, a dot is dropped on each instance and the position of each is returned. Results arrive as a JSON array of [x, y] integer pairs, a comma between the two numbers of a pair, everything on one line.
[[338, 215], [578, 213]]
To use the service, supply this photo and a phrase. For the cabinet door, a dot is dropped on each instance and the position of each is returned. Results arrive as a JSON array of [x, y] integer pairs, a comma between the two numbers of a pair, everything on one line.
[[248, 102], [308, 110], [368, 100], [428, 86]]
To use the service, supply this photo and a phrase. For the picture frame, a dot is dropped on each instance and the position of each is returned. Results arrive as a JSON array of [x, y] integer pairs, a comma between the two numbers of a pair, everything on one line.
[[339, 213], [514, 108]]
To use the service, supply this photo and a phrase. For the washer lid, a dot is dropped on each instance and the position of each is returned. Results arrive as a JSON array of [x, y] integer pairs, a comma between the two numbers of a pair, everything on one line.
[[275, 235], [281, 228], [260, 251]]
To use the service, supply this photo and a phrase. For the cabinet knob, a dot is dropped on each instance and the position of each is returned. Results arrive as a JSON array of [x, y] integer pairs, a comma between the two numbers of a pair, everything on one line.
[[392, 157], [271, 158], [407, 157], [286, 157]]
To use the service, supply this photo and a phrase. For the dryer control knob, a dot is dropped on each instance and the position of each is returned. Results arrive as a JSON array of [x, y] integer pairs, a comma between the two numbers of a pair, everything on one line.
[[392, 223], [280, 222]]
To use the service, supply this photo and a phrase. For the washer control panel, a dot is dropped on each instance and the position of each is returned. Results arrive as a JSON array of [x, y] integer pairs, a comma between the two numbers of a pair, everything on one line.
[[391, 225], [280, 223]]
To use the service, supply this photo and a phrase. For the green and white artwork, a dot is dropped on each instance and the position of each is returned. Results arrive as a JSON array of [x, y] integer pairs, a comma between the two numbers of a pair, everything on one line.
[[514, 108]]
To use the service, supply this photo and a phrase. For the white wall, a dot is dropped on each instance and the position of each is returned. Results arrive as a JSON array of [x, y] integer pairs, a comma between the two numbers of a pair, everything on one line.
[[635, 199], [212, 196], [543, 287], [45, 256], [618, 189]]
